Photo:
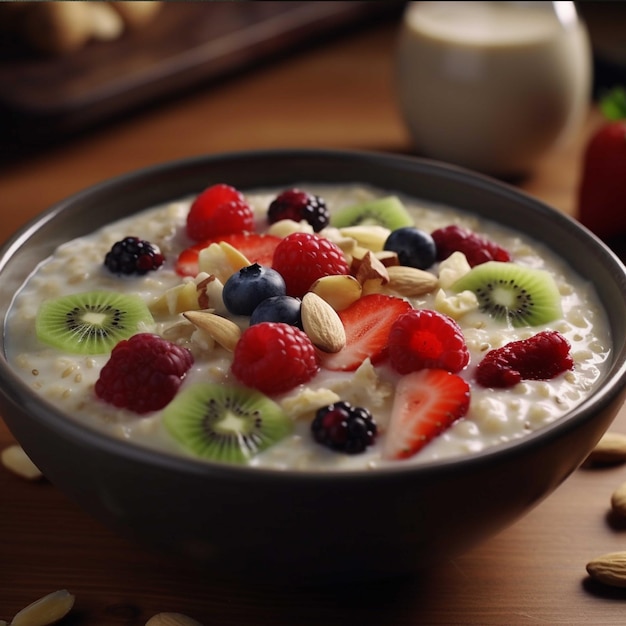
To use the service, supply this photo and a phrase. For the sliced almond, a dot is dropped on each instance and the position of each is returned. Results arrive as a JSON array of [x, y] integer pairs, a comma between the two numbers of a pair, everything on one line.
[[47, 610], [610, 450], [222, 260], [203, 292], [410, 281], [322, 324], [609, 569], [234, 257], [357, 255], [223, 330], [339, 290], [209, 293], [176, 299], [15, 459], [286, 227], [371, 236]]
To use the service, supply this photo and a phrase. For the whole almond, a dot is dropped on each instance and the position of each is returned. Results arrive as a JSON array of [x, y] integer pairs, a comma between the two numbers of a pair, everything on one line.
[[47, 610], [618, 500], [322, 324], [172, 619], [223, 330], [15, 459], [610, 450], [609, 569], [410, 281]]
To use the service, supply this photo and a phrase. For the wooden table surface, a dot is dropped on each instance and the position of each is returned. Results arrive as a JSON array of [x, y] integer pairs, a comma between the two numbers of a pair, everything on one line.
[[339, 95]]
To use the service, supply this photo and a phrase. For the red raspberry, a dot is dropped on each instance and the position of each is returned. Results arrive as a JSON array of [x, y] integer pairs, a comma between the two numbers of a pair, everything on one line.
[[143, 373], [297, 205], [219, 210], [425, 339], [302, 258], [476, 249], [540, 357], [274, 357]]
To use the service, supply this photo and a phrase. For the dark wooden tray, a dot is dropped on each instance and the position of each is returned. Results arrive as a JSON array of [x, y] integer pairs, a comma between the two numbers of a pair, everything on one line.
[[187, 43]]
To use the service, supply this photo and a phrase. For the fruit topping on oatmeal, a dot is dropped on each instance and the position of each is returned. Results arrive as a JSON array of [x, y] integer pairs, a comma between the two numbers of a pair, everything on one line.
[[309, 328]]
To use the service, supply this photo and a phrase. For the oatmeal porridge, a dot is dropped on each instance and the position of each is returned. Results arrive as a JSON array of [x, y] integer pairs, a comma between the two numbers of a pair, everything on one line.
[[366, 344]]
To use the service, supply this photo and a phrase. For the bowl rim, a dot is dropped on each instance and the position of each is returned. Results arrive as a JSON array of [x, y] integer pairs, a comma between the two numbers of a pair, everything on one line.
[[18, 392]]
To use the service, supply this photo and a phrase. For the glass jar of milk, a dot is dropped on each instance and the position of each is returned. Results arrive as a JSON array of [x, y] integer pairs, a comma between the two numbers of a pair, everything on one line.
[[492, 86]]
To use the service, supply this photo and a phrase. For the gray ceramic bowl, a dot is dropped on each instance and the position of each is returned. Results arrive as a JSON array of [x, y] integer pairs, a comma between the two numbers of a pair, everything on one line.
[[309, 526]]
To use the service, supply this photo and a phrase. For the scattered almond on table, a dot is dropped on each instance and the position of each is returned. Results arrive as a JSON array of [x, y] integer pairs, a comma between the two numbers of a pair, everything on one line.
[[610, 568], [618, 500], [62, 27], [172, 619], [15, 459], [610, 450], [47, 610]]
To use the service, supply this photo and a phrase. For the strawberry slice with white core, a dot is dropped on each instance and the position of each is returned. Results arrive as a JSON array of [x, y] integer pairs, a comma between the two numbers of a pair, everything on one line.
[[367, 323], [427, 402]]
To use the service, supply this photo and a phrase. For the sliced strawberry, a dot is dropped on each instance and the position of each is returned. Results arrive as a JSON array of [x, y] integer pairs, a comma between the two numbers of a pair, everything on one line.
[[255, 247], [367, 322], [426, 403]]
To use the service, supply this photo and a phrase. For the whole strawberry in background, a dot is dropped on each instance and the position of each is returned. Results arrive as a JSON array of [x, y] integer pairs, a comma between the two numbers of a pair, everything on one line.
[[602, 191]]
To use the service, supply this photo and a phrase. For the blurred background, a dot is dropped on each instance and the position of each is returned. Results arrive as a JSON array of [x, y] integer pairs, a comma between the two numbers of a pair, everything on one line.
[[69, 66], [65, 68]]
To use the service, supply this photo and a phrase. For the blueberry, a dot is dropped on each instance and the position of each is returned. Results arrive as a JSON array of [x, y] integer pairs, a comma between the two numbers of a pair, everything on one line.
[[414, 247], [248, 287], [284, 309]]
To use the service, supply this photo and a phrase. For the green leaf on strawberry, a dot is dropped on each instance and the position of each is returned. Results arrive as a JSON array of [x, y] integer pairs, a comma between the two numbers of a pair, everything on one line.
[[613, 104]]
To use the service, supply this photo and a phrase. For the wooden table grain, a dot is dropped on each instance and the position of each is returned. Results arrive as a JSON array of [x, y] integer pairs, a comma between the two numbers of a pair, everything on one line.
[[339, 95]]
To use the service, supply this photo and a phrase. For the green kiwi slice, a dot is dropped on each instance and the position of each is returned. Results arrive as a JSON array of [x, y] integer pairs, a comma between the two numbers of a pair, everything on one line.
[[388, 212], [91, 322], [228, 423], [522, 296]]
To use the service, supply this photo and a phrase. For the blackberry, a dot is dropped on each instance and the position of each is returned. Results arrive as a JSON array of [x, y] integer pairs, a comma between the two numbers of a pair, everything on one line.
[[132, 255], [297, 205], [345, 428]]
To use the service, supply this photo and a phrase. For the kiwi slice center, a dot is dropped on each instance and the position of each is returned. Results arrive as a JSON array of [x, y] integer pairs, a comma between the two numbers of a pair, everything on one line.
[[505, 299]]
